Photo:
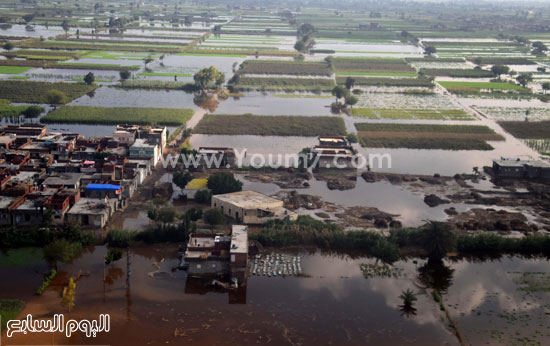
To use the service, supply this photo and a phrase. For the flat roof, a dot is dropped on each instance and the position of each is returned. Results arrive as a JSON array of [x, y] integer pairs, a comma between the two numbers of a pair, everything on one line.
[[521, 163], [141, 143], [90, 206], [7, 139], [63, 179], [239, 239], [6, 201], [247, 199]]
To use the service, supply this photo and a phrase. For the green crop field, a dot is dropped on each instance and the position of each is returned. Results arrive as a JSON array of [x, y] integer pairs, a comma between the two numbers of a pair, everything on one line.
[[35, 92], [264, 125], [476, 86], [423, 136], [118, 115], [289, 84], [285, 67], [525, 130], [164, 74], [364, 73], [14, 69], [397, 82]]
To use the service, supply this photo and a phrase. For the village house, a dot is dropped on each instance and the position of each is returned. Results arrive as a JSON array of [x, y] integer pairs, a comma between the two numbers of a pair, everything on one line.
[[68, 180], [215, 157], [251, 207], [91, 212], [142, 149]]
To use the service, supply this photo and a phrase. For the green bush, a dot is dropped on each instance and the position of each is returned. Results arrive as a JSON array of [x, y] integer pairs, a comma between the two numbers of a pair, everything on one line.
[[10, 309], [118, 238], [47, 280], [203, 196]]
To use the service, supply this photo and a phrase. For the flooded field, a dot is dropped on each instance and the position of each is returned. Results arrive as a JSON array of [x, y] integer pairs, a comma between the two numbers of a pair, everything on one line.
[[333, 303]]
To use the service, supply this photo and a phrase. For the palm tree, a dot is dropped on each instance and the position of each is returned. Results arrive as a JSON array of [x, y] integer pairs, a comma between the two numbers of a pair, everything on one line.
[[409, 298], [438, 239]]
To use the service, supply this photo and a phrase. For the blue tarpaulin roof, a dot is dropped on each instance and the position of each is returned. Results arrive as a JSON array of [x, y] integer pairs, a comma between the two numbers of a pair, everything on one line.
[[99, 187]]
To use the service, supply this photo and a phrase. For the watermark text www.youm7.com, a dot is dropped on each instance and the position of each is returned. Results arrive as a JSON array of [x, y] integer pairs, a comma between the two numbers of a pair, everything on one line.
[[242, 159]]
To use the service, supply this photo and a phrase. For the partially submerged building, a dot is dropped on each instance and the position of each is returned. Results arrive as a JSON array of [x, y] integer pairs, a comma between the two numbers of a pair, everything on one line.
[[216, 157], [251, 207], [524, 169], [207, 254], [333, 153], [218, 254]]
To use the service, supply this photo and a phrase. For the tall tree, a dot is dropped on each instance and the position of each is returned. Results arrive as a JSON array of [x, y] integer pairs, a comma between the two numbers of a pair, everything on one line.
[[65, 26], [181, 178], [89, 78], [438, 239], [339, 92], [430, 50], [350, 83], [220, 183], [524, 79], [68, 298]]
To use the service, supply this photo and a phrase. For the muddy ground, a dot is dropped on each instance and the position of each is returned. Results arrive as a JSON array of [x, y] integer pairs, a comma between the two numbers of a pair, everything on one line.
[[502, 205]]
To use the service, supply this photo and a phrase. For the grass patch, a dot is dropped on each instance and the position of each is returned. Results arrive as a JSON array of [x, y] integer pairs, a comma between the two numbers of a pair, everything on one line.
[[477, 86], [10, 309], [7, 110], [118, 115], [14, 69], [248, 124], [415, 114], [285, 67], [526, 130], [35, 92], [22, 257]]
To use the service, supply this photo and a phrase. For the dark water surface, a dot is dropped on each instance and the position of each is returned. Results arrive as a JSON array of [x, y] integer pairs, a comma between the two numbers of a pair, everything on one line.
[[333, 305]]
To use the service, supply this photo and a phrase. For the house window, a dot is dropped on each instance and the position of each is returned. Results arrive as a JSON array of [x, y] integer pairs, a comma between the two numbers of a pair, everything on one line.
[[232, 258]]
